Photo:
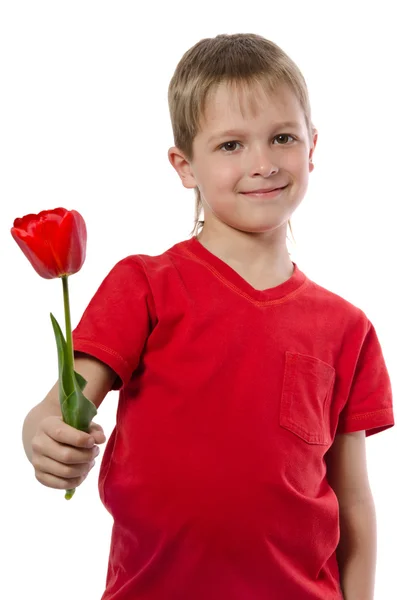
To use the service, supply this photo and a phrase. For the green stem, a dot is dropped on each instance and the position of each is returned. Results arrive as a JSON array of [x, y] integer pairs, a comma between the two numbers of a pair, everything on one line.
[[69, 341], [69, 344]]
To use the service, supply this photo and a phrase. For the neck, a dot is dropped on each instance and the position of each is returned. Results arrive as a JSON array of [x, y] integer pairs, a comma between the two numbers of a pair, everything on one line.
[[258, 255]]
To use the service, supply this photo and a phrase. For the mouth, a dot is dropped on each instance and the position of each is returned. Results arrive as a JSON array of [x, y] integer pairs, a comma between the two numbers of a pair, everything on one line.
[[264, 193]]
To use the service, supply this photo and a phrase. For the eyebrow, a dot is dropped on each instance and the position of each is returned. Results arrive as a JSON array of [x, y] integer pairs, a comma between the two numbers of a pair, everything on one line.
[[240, 133]]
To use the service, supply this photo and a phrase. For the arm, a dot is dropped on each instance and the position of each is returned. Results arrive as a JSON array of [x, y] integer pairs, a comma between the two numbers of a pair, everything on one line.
[[99, 379], [356, 553]]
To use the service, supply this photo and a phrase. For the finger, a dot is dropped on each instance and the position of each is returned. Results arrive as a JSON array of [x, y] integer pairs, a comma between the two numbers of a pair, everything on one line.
[[44, 445], [65, 434], [48, 466], [98, 433], [57, 483]]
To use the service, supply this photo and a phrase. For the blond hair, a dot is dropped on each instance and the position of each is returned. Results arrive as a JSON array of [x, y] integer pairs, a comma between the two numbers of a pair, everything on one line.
[[240, 58]]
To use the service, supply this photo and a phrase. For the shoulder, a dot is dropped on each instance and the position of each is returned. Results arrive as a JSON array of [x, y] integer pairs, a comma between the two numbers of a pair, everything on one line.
[[151, 278], [336, 310], [140, 266], [161, 272], [150, 263]]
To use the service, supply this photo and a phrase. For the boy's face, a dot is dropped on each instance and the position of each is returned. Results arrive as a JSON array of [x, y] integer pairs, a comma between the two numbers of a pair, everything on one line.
[[258, 154]]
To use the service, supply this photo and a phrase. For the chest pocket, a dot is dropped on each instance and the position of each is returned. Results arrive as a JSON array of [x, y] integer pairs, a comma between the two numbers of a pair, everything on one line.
[[306, 397]]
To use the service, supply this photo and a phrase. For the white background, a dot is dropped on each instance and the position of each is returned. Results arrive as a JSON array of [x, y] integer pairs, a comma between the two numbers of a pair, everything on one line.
[[85, 125]]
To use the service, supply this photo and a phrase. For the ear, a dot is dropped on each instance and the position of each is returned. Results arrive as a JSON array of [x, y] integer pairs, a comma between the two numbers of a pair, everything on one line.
[[182, 167], [313, 146]]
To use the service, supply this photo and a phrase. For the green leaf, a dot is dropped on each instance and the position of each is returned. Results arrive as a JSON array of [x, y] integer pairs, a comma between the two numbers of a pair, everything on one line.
[[77, 410], [65, 375], [80, 380]]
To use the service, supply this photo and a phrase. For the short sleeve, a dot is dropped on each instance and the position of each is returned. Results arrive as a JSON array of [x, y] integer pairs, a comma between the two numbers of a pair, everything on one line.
[[370, 405], [117, 321]]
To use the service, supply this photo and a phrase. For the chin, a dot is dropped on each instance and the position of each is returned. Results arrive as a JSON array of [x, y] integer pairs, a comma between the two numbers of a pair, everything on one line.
[[260, 227]]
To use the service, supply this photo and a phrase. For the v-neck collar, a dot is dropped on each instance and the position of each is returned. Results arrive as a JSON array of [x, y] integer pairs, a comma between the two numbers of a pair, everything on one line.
[[226, 273]]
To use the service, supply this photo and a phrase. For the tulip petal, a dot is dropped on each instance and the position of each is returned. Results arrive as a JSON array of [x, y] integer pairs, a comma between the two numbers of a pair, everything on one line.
[[70, 242], [54, 241], [38, 253]]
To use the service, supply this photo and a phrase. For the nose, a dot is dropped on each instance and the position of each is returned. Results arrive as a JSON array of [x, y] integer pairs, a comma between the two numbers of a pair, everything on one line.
[[261, 162]]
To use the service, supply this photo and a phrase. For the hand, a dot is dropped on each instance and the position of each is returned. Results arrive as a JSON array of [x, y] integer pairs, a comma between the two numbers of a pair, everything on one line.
[[61, 455]]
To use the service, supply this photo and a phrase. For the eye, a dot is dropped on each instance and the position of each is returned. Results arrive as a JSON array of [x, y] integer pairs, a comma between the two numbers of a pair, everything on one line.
[[283, 135], [226, 144], [229, 150]]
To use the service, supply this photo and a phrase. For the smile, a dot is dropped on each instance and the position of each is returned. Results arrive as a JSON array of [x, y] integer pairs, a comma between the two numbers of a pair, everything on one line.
[[271, 194]]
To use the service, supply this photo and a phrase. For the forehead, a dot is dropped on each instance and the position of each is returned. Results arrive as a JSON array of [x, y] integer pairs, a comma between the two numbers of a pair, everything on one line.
[[240, 102]]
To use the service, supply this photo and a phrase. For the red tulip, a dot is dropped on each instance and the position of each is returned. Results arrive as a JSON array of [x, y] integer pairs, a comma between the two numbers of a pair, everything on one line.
[[54, 241]]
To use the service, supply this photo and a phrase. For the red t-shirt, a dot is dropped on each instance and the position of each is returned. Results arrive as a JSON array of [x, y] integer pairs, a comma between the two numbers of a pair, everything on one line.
[[229, 399]]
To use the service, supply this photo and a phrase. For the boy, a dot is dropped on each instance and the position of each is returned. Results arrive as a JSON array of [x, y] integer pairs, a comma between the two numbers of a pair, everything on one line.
[[246, 390]]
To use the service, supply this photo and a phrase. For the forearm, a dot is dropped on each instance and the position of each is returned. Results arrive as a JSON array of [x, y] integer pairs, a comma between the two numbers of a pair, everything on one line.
[[356, 553]]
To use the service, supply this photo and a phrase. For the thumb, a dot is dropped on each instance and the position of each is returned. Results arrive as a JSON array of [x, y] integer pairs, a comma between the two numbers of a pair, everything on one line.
[[97, 433]]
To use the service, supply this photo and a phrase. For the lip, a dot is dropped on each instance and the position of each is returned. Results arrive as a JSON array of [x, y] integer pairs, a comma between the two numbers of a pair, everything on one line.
[[264, 195], [263, 191]]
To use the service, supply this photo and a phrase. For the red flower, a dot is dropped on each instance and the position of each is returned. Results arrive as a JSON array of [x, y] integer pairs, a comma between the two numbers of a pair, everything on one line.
[[54, 241]]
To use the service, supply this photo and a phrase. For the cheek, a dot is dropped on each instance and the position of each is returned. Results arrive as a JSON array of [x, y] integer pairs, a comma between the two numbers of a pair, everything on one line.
[[216, 174], [291, 162], [297, 162], [227, 172]]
